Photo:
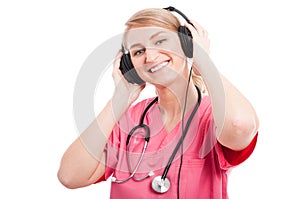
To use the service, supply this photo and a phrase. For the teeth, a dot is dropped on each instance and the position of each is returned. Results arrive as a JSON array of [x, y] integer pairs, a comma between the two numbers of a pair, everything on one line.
[[156, 68]]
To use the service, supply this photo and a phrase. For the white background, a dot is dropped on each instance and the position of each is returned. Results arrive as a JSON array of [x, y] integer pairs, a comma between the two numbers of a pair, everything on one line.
[[43, 45]]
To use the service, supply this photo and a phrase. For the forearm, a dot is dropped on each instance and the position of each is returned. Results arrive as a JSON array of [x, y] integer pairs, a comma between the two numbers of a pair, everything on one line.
[[235, 119], [204, 66], [94, 138], [83, 162]]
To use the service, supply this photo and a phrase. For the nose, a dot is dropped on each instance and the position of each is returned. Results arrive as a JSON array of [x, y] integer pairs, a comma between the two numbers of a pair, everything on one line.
[[151, 54]]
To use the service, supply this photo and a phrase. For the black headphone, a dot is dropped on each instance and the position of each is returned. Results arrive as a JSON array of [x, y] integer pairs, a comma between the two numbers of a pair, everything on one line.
[[186, 41]]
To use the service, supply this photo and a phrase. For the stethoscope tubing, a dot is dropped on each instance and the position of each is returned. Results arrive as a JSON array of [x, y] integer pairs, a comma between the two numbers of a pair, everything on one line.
[[147, 138], [166, 170]]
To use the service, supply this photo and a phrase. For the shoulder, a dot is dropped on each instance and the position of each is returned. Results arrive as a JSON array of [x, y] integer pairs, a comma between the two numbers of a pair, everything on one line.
[[205, 106], [205, 101]]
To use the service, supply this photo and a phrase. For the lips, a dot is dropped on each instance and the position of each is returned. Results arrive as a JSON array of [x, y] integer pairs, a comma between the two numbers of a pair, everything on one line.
[[158, 67]]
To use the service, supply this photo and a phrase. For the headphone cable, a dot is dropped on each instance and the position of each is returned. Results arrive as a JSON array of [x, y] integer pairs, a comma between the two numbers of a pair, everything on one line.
[[182, 129]]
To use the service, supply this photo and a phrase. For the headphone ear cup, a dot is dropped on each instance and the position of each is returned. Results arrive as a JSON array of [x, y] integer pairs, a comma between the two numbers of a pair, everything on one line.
[[128, 70], [186, 40]]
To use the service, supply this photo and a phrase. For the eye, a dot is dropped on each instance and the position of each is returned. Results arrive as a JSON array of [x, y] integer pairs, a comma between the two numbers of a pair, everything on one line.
[[138, 52], [160, 41]]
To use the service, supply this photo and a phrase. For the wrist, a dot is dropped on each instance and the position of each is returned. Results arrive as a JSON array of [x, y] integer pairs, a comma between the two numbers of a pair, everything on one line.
[[119, 104]]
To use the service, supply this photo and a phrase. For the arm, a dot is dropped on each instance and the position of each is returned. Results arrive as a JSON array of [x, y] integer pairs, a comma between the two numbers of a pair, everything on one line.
[[234, 116], [241, 122], [80, 165], [83, 163]]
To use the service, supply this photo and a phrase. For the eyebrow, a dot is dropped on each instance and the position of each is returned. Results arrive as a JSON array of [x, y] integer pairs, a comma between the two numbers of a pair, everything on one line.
[[152, 36]]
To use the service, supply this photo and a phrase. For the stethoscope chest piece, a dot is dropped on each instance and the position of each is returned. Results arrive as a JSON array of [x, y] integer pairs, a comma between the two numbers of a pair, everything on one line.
[[160, 185]]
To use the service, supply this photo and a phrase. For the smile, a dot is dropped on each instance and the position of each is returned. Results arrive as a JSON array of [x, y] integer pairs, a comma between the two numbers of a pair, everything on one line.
[[158, 67]]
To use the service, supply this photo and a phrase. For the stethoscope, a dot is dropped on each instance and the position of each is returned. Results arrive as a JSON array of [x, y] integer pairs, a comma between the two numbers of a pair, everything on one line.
[[160, 184]]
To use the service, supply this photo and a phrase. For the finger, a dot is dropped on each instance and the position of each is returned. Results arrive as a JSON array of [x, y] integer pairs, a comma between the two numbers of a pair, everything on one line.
[[199, 28], [116, 63], [118, 56], [196, 25], [200, 36], [116, 73], [192, 29]]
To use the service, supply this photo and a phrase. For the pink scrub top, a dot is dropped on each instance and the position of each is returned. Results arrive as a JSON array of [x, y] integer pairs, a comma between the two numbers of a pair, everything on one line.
[[205, 166]]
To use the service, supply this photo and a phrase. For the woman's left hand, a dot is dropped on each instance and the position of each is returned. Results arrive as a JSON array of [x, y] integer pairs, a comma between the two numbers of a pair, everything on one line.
[[200, 35]]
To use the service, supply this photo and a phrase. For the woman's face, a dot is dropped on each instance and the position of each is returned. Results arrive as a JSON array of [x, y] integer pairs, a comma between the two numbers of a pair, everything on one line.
[[156, 54]]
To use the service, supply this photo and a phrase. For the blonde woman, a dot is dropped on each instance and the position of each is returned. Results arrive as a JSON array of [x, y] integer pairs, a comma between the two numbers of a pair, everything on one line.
[[181, 143]]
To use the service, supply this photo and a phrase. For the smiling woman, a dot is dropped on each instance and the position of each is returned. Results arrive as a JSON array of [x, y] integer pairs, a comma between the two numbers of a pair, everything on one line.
[[182, 143], [158, 50]]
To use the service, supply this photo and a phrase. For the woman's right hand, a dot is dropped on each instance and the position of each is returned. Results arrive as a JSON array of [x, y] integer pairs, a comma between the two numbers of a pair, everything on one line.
[[125, 93]]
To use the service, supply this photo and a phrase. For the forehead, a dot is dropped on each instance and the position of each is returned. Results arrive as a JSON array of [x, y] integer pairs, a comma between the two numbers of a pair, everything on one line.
[[143, 34]]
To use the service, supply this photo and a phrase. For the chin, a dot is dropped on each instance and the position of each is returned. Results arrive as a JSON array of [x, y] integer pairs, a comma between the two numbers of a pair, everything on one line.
[[166, 82]]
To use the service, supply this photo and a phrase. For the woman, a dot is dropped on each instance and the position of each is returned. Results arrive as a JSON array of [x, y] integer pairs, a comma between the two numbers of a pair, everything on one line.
[[194, 139]]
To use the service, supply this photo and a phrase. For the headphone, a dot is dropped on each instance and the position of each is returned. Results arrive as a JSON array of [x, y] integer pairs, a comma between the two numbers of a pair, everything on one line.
[[186, 41]]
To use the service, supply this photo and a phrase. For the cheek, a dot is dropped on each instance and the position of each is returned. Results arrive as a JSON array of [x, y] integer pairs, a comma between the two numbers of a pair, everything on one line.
[[138, 66], [137, 62], [174, 48], [179, 60]]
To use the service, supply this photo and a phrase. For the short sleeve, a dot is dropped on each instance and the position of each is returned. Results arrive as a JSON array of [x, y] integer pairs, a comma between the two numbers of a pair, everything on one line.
[[229, 158], [111, 150]]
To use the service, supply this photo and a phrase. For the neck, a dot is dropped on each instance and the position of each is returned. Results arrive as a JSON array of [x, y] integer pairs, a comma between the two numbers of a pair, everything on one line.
[[171, 101]]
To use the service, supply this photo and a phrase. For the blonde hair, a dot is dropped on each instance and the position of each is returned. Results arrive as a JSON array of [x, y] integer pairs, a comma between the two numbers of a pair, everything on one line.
[[162, 18]]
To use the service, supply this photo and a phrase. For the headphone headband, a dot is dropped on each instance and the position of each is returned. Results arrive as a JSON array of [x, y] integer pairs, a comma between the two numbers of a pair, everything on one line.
[[172, 9], [186, 41]]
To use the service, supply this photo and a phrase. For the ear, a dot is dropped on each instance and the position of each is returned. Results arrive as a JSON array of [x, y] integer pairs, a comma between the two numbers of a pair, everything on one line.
[[127, 69], [186, 40]]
